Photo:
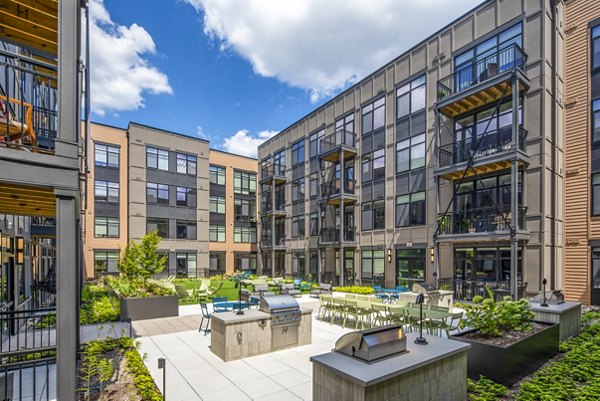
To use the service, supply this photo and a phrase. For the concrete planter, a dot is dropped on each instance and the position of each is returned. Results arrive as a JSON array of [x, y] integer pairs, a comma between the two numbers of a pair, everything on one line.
[[149, 308], [508, 364]]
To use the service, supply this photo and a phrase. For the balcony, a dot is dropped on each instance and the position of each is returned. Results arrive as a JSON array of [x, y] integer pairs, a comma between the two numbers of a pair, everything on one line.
[[487, 223], [272, 172], [481, 83], [266, 242], [43, 227], [338, 192], [278, 211], [331, 235], [491, 151], [331, 146]]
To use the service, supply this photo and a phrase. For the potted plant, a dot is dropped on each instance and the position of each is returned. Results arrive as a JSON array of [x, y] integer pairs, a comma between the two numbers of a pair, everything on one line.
[[444, 223], [467, 225], [140, 296], [441, 94], [506, 344]]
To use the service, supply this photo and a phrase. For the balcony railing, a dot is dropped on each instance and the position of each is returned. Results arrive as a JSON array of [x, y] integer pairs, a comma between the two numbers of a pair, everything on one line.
[[336, 188], [480, 146], [267, 207], [465, 290], [28, 375], [245, 218], [29, 101], [487, 219], [272, 170], [27, 330], [338, 138], [266, 241], [497, 63], [332, 235]]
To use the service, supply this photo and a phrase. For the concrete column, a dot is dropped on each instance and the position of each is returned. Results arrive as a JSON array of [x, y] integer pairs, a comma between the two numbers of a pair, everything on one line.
[[67, 300]]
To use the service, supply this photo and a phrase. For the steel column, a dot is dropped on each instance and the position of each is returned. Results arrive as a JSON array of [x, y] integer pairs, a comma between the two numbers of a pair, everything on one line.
[[342, 213], [514, 204]]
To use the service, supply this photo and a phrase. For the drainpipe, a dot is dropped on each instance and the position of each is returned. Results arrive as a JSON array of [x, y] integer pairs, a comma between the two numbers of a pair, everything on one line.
[[553, 133]]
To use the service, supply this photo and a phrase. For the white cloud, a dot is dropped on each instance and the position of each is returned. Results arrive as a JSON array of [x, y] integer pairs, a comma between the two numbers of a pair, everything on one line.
[[120, 75], [323, 46], [200, 132], [244, 143]]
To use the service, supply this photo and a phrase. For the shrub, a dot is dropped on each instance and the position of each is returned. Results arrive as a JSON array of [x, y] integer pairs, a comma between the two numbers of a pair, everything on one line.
[[493, 318], [137, 289], [141, 261], [484, 390], [355, 289], [96, 305]]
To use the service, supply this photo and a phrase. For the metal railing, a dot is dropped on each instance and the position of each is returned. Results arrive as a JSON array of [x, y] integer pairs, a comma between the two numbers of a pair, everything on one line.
[[338, 138], [33, 329], [29, 103], [43, 221], [336, 188], [487, 219], [466, 290], [466, 77], [266, 241], [332, 235], [480, 146], [245, 218], [28, 376], [268, 207], [272, 170]]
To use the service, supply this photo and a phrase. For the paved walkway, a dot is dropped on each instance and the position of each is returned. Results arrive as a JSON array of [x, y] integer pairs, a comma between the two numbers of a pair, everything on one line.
[[195, 373]]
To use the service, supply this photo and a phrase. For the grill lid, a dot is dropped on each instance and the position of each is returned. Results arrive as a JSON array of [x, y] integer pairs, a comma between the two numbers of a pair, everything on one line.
[[555, 297], [373, 344], [278, 303], [424, 288]]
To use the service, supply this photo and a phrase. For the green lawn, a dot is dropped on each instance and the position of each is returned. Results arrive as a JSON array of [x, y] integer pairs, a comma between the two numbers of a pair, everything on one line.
[[227, 290]]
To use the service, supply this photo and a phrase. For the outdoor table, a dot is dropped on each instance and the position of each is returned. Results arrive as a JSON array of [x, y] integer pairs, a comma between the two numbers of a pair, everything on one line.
[[232, 305]]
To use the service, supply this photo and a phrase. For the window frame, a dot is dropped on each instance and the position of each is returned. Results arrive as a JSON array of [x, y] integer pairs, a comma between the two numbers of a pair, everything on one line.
[[157, 154], [218, 201], [107, 222], [244, 234], [186, 191], [373, 209], [158, 189], [107, 259], [298, 152], [594, 41], [108, 187], [191, 230], [298, 226], [244, 182], [215, 173], [107, 152], [189, 160], [408, 90], [158, 222], [216, 231], [368, 114], [412, 206], [595, 185]]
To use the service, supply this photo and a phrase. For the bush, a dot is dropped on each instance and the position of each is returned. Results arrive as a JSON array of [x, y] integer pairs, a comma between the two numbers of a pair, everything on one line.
[[493, 318], [96, 305], [355, 289], [484, 390], [138, 289]]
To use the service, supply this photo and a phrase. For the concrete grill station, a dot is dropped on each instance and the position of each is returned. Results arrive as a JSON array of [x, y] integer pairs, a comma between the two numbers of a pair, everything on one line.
[[279, 323]]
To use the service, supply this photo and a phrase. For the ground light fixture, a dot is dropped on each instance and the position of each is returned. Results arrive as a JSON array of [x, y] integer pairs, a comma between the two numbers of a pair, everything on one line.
[[162, 365], [420, 340], [544, 282]]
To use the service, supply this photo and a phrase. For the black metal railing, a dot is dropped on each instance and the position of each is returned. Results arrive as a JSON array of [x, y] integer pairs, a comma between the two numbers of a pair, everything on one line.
[[29, 100], [337, 187], [27, 375], [480, 146], [331, 235], [466, 77], [272, 170], [33, 329], [43, 221], [487, 219], [267, 207], [266, 241], [245, 218], [338, 138], [466, 290]]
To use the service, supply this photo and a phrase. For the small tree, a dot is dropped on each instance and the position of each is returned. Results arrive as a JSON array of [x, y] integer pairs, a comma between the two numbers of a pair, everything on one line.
[[129, 264], [150, 263]]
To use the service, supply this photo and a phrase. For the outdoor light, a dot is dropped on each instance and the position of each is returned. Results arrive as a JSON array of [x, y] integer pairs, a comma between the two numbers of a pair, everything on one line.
[[420, 340], [544, 282], [389, 255], [20, 245], [239, 284], [162, 365], [432, 255]]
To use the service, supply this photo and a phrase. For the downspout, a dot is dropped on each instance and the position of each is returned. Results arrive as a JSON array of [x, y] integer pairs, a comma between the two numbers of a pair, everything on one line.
[[553, 132]]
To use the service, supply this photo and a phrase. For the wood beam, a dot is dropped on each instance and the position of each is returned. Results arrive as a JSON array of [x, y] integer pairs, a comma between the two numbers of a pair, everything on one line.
[[33, 15], [46, 6], [28, 40]]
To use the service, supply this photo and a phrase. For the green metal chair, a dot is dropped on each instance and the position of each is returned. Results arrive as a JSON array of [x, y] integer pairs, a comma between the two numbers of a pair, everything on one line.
[[380, 316], [325, 307], [395, 314], [338, 308], [453, 323], [351, 310]]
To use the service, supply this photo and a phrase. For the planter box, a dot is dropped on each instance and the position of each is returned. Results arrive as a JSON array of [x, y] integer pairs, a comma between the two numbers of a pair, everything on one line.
[[509, 363], [149, 308]]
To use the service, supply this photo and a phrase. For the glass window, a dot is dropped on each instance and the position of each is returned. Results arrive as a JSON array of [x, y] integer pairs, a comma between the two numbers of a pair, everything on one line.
[[216, 174], [244, 234], [157, 193], [157, 158], [410, 98], [298, 264], [410, 209], [298, 190], [105, 262], [186, 264], [217, 204], [596, 121], [186, 197], [244, 183], [106, 191], [186, 164], [410, 154], [373, 215], [106, 155], [373, 266], [106, 227], [315, 143], [216, 263], [298, 152], [373, 116], [244, 261], [161, 226], [373, 166], [410, 266], [216, 233], [298, 226], [596, 47], [314, 224], [314, 185], [596, 194], [244, 210], [186, 229], [596, 268]]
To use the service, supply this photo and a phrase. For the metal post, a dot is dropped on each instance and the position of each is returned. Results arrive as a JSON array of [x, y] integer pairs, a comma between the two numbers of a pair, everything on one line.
[[162, 365], [514, 206], [273, 208], [342, 214]]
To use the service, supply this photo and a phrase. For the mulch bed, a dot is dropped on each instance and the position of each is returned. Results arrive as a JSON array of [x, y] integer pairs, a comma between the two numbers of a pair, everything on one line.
[[506, 338]]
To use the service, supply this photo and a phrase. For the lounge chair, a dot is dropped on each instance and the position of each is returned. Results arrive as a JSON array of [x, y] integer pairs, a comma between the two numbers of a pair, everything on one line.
[[214, 289], [289, 289], [183, 293], [324, 288], [202, 292]]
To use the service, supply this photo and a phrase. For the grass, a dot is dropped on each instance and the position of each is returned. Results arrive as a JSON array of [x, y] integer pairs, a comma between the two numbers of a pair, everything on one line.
[[227, 290]]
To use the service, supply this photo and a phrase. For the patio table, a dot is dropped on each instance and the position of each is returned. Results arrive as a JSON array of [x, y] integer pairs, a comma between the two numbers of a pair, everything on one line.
[[231, 305]]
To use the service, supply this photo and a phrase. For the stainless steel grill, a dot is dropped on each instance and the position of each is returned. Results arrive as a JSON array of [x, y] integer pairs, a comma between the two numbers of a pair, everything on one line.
[[284, 309], [430, 291], [373, 344], [555, 297]]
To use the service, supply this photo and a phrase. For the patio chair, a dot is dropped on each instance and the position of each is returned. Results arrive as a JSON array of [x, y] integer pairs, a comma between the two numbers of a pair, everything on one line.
[[379, 293], [219, 300], [205, 315], [395, 314], [212, 289], [380, 317], [453, 323], [351, 296], [352, 309], [325, 307], [338, 306], [324, 288], [183, 293], [289, 289], [202, 292], [299, 285]]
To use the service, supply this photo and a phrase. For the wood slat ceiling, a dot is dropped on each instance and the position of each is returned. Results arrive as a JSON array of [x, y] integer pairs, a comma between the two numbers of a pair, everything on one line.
[[485, 96], [481, 170], [32, 23], [27, 201]]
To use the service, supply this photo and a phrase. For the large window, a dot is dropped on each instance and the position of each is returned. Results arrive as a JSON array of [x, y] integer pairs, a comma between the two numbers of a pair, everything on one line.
[[186, 229], [596, 121], [106, 155], [314, 185], [410, 266], [106, 191], [244, 234], [157, 158], [596, 268], [243, 261], [596, 194], [298, 152], [186, 264], [373, 215], [244, 183], [216, 263], [279, 162], [410, 209], [106, 227], [373, 116], [216, 204], [216, 174], [105, 262], [244, 209], [373, 267], [216, 233], [161, 226], [314, 224], [485, 263], [298, 226], [410, 98], [298, 264], [186, 164], [410, 154], [373, 166], [157, 193], [298, 190], [488, 192], [596, 48], [315, 143], [186, 197]]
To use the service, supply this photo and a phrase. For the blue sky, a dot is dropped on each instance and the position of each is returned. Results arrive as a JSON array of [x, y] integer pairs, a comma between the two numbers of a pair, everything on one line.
[[243, 69]]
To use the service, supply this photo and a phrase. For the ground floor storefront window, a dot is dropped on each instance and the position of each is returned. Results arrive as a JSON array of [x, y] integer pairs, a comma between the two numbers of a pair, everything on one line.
[[216, 263], [484, 263], [244, 261], [186, 264], [298, 264], [373, 267], [410, 266]]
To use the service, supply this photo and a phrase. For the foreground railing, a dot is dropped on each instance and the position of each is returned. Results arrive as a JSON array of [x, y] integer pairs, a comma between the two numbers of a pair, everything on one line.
[[466, 290], [28, 376], [33, 330], [338, 138]]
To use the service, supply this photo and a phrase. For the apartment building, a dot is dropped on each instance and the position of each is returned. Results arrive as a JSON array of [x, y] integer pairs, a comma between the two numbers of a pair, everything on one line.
[[200, 201], [582, 151], [431, 168]]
